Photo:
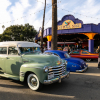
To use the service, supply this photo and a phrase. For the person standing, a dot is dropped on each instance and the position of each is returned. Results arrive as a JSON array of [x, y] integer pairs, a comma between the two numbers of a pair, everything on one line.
[[45, 48], [68, 49], [98, 50], [65, 49]]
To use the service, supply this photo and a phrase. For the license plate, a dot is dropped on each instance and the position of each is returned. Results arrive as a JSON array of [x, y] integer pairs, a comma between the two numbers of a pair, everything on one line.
[[50, 76]]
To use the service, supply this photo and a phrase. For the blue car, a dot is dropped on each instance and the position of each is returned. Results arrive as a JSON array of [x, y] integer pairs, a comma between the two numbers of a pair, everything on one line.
[[73, 64]]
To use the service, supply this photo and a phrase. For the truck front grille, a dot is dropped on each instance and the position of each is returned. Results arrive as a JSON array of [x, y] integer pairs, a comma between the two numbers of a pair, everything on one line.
[[57, 70]]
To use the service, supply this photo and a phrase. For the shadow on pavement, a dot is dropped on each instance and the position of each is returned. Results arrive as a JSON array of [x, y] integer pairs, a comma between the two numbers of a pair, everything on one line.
[[79, 86]]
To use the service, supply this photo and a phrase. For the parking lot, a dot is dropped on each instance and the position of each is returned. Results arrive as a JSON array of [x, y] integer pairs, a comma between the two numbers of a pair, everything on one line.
[[79, 86]]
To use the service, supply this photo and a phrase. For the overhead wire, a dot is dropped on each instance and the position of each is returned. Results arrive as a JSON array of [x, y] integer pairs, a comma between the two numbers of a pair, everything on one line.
[[26, 16], [50, 17], [77, 13]]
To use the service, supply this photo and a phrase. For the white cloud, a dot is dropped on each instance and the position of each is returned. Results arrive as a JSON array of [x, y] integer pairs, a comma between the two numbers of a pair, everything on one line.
[[25, 3], [89, 12], [37, 18], [18, 11], [4, 14], [23, 8]]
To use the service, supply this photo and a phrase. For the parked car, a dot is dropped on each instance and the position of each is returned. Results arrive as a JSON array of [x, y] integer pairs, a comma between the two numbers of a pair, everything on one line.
[[73, 64], [83, 54], [20, 60], [59, 48]]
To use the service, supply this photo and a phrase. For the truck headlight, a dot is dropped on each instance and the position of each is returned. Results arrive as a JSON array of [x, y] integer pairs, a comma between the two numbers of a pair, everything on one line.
[[46, 69]]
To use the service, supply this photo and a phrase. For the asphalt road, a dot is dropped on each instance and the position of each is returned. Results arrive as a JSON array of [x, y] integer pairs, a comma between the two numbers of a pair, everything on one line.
[[79, 86]]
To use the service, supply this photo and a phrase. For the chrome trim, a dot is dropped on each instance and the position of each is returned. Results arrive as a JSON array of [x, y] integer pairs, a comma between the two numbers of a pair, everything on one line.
[[73, 66], [59, 74], [22, 73], [57, 70], [82, 70], [63, 65], [45, 67], [56, 66], [33, 67], [57, 79]]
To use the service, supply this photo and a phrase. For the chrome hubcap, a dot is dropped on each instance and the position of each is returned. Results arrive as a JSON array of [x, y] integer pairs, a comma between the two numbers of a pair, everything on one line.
[[33, 81]]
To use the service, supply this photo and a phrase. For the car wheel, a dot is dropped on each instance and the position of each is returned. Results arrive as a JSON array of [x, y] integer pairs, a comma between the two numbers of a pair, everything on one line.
[[88, 60], [33, 82]]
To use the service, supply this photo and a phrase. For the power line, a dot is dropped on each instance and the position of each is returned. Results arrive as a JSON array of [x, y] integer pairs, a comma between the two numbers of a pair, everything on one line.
[[24, 16], [48, 20], [77, 13], [50, 17]]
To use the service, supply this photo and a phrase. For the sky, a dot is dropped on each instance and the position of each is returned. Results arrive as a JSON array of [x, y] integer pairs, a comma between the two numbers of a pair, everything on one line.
[[17, 12]]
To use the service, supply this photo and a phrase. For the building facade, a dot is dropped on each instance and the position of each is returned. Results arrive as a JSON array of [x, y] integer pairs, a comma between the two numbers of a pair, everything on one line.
[[71, 29]]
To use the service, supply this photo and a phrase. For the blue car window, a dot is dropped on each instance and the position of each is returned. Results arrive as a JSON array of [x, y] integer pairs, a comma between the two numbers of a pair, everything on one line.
[[56, 54], [67, 55]]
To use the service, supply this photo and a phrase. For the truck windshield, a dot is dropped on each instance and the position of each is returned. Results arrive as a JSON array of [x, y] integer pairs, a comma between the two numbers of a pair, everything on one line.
[[27, 50]]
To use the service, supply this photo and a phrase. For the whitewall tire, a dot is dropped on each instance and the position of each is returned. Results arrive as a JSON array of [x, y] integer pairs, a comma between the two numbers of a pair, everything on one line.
[[33, 82]]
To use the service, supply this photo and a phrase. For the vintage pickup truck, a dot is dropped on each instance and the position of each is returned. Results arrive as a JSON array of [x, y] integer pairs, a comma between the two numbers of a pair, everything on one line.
[[20, 60]]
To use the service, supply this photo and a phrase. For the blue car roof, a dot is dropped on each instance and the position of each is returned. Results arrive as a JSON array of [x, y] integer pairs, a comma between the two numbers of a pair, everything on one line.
[[57, 52]]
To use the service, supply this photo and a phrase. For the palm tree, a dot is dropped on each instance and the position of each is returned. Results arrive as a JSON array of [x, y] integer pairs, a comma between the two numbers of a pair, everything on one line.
[[3, 27]]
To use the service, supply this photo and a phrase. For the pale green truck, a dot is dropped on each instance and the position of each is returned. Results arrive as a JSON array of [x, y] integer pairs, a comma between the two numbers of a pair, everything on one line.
[[21, 60]]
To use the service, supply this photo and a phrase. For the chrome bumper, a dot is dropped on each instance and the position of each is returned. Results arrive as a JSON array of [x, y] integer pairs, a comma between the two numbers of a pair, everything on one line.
[[82, 70], [57, 79]]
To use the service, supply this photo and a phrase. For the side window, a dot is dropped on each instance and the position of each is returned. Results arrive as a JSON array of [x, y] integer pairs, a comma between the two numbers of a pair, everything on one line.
[[12, 51], [3, 50], [85, 52], [56, 54], [75, 52]]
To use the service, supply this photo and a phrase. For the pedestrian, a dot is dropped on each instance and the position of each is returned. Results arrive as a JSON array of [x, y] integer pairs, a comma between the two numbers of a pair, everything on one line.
[[98, 50], [65, 49], [69, 50], [45, 48]]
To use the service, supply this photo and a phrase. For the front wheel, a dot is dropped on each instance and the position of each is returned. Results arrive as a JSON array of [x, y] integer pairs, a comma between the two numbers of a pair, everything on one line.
[[33, 82], [88, 60]]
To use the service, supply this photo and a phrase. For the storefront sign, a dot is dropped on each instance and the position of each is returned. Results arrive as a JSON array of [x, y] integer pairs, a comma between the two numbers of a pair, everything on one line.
[[69, 24]]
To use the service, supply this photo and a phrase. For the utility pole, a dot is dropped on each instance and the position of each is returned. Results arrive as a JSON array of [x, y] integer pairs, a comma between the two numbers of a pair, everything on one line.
[[43, 28], [54, 25]]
